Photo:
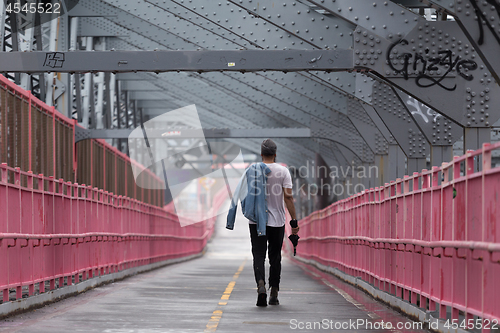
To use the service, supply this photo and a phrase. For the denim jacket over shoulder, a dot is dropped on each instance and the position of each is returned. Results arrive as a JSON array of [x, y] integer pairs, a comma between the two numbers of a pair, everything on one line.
[[251, 191]]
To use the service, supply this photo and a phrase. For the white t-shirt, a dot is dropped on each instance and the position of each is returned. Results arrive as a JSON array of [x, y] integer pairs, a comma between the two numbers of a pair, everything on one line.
[[277, 179]]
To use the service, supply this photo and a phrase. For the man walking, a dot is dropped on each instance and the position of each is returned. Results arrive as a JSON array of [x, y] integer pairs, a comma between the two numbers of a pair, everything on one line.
[[264, 190]]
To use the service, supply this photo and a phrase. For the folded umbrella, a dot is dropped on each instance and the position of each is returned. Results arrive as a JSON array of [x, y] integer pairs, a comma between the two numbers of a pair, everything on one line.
[[294, 238]]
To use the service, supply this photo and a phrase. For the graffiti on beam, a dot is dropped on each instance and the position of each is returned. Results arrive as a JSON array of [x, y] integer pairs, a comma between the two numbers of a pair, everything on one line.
[[54, 60], [425, 65], [481, 17], [430, 113]]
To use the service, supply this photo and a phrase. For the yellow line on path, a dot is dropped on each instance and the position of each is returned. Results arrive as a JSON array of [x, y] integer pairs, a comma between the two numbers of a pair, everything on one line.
[[213, 322]]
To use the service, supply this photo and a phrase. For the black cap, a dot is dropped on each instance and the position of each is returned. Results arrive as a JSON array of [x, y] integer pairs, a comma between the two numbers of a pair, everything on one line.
[[268, 148]]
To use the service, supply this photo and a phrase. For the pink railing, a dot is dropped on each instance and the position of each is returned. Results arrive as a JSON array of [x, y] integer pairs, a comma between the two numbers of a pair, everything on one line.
[[438, 244], [73, 232], [36, 137]]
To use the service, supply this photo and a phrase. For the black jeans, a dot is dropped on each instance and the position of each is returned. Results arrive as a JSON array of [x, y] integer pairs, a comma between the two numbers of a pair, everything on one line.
[[274, 236]]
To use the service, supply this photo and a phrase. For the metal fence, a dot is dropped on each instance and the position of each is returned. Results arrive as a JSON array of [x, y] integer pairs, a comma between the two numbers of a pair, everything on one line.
[[71, 212], [70, 232], [432, 238], [37, 138]]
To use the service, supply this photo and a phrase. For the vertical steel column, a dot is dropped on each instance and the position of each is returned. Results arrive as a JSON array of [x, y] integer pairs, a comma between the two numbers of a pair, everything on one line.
[[49, 98], [107, 111], [3, 17], [99, 107], [118, 112], [127, 101], [92, 119], [112, 92], [14, 36], [441, 154], [127, 119], [39, 47], [382, 164], [74, 80], [135, 113], [78, 97], [100, 45], [396, 163], [474, 137], [25, 33], [415, 165], [88, 93], [323, 181], [65, 34], [367, 181]]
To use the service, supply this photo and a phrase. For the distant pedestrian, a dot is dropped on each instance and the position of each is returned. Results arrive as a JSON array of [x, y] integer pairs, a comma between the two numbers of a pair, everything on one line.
[[264, 190]]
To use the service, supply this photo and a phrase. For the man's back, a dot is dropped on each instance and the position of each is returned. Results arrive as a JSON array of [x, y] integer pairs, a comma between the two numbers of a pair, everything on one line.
[[278, 178]]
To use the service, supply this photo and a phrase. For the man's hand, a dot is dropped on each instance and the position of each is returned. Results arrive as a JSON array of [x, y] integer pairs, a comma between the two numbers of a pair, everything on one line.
[[295, 226]]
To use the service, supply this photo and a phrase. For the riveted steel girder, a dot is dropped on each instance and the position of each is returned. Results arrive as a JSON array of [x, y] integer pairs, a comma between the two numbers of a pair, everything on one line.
[[439, 130], [436, 128], [138, 85], [210, 115], [99, 27], [265, 24], [329, 122], [479, 20], [403, 128], [451, 93], [208, 26], [432, 61], [376, 39], [250, 24], [110, 32], [172, 61], [366, 127], [208, 133], [217, 105]]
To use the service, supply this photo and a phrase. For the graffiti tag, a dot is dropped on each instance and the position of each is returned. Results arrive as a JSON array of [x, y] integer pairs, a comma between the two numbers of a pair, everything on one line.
[[418, 110], [54, 60], [426, 64]]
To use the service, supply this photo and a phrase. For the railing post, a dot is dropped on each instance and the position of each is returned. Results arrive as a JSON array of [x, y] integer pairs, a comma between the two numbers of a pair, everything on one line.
[[5, 173], [17, 176], [469, 163], [40, 182], [425, 179], [31, 286]]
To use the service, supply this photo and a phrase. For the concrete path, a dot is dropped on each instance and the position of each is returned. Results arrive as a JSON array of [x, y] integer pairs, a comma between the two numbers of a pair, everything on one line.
[[215, 293]]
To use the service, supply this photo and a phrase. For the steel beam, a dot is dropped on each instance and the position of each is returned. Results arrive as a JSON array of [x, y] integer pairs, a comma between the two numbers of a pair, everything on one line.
[[209, 133], [170, 61], [136, 23]]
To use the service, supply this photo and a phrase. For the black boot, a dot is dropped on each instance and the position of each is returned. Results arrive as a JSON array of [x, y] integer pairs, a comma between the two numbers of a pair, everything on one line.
[[262, 295], [273, 298]]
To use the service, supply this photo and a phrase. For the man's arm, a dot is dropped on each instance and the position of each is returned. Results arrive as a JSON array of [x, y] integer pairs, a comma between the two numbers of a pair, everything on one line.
[[288, 197]]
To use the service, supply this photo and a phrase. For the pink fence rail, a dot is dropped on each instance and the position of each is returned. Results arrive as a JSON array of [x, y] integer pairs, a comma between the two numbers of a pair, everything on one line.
[[72, 232], [432, 238]]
